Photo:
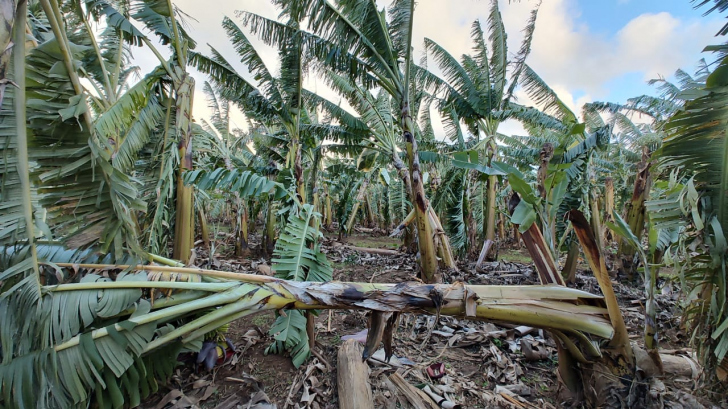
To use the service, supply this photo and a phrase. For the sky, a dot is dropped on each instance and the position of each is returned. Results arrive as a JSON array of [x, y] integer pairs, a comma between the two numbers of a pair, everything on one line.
[[586, 50]]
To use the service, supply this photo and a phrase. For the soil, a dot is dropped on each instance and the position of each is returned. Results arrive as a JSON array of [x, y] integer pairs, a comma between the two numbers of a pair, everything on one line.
[[485, 363]]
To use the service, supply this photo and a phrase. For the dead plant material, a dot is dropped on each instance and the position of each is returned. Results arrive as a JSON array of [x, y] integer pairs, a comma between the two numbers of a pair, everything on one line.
[[538, 250], [596, 261], [353, 378], [483, 252], [418, 398], [381, 252]]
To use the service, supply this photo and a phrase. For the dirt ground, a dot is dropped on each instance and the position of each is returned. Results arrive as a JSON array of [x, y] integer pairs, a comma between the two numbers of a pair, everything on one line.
[[486, 365]]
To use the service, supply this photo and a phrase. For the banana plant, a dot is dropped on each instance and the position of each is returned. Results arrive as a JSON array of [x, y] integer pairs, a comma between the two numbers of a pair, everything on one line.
[[699, 123], [476, 92], [374, 130], [221, 146], [376, 52], [298, 257], [621, 228], [106, 126], [631, 158]]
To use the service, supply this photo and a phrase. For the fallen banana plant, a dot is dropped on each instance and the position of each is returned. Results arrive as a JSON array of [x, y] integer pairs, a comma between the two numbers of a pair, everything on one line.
[[113, 340], [562, 308]]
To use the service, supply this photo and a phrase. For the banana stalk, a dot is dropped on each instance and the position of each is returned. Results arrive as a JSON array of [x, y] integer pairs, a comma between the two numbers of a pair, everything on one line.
[[269, 241], [23, 165], [241, 236], [620, 342], [491, 209], [328, 214], [204, 231], [443, 241], [608, 209], [400, 228], [425, 230], [636, 214], [357, 203], [596, 222], [572, 257], [538, 250], [491, 151], [567, 310], [371, 217], [184, 227]]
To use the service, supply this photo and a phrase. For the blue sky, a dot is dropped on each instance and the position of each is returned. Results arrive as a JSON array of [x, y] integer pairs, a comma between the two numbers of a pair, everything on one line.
[[607, 17]]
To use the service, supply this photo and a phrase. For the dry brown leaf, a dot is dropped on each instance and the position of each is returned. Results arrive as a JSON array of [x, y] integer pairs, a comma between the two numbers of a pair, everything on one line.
[[173, 395], [200, 383]]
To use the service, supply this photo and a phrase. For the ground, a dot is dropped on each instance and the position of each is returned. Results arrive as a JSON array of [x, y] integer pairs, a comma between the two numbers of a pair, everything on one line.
[[486, 365]]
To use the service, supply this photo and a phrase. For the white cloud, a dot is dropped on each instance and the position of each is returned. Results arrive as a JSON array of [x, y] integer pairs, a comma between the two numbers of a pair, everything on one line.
[[567, 54], [512, 127], [571, 58]]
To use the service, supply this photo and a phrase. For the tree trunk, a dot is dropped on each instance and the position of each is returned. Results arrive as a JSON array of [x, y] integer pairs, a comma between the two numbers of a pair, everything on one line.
[[184, 226], [408, 238], [548, 224], [357, 203], [538, 249], [470, 193], [572, 258], [298, 170], [472, 235], [328, 214], [425, 233], [443, 242], [371, 218], [491, 210], [381, 252], [255, 206], [502, 228], [317, 207], [314, 174], [610, 378], [204, 231], [241, 240], [269, 241], [608, 209], [352, 377], [596, 223], [636, 215], [547, 152], [15, 23]]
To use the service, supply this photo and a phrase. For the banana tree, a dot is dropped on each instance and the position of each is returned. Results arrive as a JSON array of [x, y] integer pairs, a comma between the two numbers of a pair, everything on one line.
[[574, 371], [228, 148], [699, 124], [101, 129], [569, 155], [637, 144], [377, 52], [163, 19], [274, 102], [476, 91], [277, 105], [373, 131]]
